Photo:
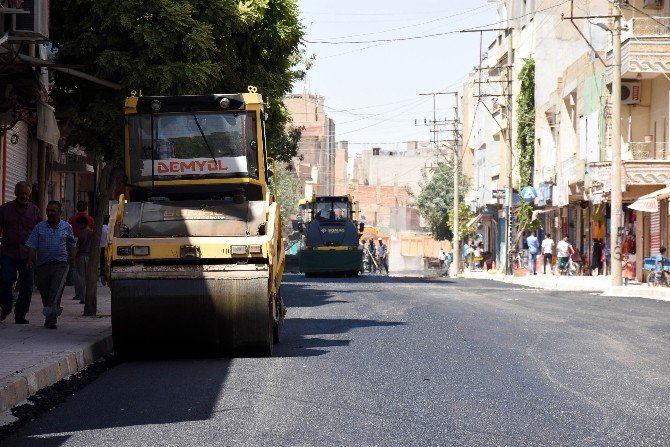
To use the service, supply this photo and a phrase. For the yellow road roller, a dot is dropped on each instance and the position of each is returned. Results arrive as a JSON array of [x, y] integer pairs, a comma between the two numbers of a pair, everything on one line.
[[194, 248]]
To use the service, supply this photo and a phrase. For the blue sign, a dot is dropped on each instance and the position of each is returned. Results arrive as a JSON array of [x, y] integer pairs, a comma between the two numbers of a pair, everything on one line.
[[528, 194], [545, 194]]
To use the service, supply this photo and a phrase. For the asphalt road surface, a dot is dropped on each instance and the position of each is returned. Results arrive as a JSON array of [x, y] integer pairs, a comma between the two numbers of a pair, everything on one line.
[[377, 361]]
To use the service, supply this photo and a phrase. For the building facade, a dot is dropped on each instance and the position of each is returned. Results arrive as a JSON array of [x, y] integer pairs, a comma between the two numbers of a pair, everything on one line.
[[572, 166], [316, 164]]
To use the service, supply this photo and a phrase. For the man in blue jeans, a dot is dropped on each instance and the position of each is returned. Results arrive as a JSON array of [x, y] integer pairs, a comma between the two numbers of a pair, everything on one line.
[[17, 220], [533, 250]]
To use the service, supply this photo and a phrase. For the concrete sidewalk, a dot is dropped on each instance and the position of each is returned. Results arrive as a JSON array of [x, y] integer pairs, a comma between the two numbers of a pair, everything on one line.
[[34, 357], [601, 284]]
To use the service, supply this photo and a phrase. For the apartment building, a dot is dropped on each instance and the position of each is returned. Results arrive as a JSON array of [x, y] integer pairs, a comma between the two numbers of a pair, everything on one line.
[[316, 170], [573, 116]]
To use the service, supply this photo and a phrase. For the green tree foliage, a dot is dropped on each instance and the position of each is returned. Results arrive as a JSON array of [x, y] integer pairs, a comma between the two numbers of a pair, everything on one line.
[[526, 141], [436, 199], [285, 146], [172, 47], [168, 47], [289, 192], [465, 215]]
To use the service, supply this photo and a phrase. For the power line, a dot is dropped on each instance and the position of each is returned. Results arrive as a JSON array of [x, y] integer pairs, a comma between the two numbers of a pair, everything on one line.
[[425, 36], [413, 25]]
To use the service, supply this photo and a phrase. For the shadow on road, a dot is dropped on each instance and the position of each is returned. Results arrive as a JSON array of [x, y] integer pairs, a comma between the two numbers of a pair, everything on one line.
[[301, 336], [133, 394]]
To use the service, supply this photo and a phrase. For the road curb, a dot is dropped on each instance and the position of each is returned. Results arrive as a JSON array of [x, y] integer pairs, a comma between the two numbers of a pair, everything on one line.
[[654, 293], [23, 384]]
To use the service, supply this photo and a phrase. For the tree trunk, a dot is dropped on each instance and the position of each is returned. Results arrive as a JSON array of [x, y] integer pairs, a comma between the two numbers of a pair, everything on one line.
[[108, 180]]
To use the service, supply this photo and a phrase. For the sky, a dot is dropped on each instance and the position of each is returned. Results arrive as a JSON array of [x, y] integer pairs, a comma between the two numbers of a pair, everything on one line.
[[372, 89]]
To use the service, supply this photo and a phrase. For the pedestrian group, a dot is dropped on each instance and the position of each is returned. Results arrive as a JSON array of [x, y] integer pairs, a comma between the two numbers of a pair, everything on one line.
[[42, 252]]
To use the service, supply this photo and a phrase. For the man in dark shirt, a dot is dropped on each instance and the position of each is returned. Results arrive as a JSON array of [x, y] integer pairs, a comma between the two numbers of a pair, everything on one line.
[[81, 260], [17, 220], [52, 249], [81, 211]]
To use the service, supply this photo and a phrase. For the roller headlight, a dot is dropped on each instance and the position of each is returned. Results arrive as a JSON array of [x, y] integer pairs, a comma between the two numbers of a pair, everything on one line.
[[238, 249], [123, 251], [140, 251]]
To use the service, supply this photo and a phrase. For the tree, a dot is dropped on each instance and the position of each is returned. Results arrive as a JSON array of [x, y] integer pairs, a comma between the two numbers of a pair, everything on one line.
[[168, 47], [289, 192], [465, 215], [526, 143], [436, 199]]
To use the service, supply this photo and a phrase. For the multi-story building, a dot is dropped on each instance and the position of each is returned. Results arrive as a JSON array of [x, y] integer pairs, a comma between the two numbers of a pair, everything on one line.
[[385, 182], [645, 108], [570, 103], [490, 119], [317, 144], [573, 115]]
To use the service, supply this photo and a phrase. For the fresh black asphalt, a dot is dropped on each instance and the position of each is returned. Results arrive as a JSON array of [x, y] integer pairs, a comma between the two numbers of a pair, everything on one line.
[[379, 361]]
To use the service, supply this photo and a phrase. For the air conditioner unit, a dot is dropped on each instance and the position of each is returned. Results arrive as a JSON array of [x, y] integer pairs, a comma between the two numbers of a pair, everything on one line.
[[653, 4], [630, 92]]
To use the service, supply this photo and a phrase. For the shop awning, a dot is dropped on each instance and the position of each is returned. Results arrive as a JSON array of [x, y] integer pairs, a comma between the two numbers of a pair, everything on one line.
[[649, 202], [474, 220]]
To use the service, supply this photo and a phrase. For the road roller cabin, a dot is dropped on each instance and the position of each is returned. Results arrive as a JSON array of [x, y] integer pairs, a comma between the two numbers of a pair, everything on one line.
[[194, 248]]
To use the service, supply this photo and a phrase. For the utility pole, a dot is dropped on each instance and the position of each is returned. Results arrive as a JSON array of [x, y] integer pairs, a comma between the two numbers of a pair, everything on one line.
[[435, 122], [456, 246], [616, 196], [510, 188]]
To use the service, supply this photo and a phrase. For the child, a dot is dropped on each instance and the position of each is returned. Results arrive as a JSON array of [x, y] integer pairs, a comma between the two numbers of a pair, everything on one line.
[[628, 271]]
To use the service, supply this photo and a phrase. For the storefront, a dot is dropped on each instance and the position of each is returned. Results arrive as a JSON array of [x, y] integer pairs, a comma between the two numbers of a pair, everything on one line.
[[651, 226]]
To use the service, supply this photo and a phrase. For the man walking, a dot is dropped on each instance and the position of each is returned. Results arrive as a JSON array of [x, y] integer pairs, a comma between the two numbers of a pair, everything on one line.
[[466, 253], [442, 257], [383, 257], [533, 250], [563, 251], [17, 220], [81, 259], [52, 248], [548, 253]]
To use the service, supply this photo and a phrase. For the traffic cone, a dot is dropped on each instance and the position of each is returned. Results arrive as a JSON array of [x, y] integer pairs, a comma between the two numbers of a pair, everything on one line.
[[486, 266], [493, 265]]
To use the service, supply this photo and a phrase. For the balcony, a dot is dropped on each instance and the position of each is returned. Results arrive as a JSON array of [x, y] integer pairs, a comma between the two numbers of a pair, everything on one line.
[[645, 48], [648, 151]]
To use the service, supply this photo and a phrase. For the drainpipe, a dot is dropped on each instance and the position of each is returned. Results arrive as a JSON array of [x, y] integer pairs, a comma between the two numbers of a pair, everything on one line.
[[4, 163]]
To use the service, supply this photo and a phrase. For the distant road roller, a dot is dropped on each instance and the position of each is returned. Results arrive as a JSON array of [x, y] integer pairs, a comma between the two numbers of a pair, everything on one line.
[[330, 236], [194, 247]]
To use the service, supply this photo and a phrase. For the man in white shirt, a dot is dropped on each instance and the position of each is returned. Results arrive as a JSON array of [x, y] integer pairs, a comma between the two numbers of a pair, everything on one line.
[[548, 253], [563, 252], [442, 257]]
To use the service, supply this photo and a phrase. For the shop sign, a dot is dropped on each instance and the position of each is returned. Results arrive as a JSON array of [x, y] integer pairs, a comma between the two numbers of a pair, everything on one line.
[[498, 194], [528, 194], [570, 169], [560, 192], [544, 194], [603, 176]]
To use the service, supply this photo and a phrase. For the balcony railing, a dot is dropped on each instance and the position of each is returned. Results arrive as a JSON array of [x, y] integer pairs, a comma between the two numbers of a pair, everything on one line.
[[641, 27], [649, 151]]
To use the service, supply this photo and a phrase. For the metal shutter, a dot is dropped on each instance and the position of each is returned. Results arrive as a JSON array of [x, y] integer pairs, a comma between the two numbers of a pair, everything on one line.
[[655, 233], [16, 165]]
